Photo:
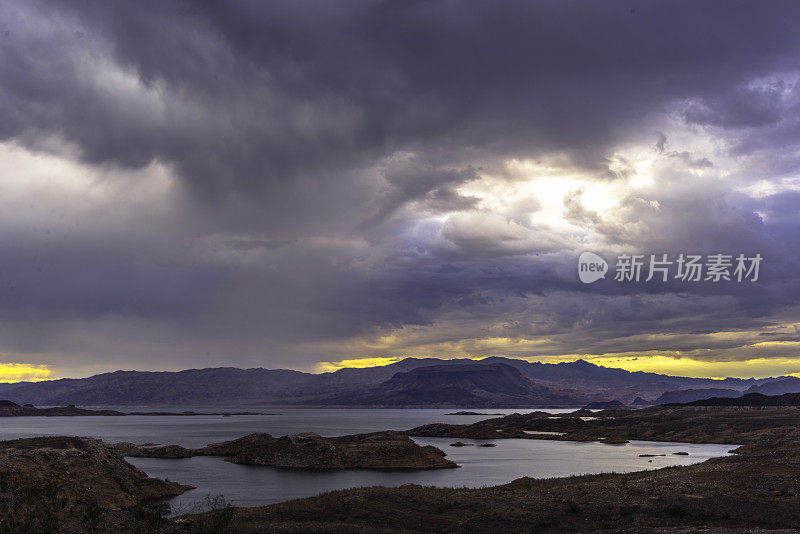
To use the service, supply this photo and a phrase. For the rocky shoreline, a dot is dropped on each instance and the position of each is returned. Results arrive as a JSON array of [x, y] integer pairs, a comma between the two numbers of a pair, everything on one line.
[[377, 450], [692, 424]]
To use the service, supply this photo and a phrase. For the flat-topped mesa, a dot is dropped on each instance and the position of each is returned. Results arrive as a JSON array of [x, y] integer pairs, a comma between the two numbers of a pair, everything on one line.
[[378, 450]]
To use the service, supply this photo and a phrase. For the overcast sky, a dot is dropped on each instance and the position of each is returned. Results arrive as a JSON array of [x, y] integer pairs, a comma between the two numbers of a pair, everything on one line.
[[294, 184]]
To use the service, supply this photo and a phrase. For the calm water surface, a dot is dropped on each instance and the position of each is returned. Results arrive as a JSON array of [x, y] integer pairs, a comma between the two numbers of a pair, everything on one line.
[[259, 485]]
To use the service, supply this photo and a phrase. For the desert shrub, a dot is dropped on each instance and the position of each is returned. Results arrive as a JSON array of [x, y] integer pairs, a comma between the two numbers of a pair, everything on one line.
[[572, 507], [219, 514], [28, 507], [152, 515]]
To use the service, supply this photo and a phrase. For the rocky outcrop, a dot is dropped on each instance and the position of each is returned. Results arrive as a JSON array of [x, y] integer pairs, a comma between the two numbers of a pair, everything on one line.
[[70, 484], [379, 450]]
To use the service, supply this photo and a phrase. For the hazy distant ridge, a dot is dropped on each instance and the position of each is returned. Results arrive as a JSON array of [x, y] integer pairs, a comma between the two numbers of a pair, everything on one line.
[[562, 383]]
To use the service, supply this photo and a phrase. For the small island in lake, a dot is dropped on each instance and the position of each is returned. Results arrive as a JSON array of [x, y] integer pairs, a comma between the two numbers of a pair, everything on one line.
[[377, 450]]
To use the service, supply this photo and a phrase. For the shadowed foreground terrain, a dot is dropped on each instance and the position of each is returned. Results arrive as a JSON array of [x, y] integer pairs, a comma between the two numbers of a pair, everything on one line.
[[83, 485], [755, 490], [68, 484]]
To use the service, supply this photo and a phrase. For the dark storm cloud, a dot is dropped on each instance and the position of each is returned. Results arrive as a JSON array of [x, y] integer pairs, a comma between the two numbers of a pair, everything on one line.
[[315, 145], [281, 89], [740, 108], [410, 179]]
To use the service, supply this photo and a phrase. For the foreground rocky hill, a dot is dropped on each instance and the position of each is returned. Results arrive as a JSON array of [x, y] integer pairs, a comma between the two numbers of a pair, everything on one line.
[[69, 484]]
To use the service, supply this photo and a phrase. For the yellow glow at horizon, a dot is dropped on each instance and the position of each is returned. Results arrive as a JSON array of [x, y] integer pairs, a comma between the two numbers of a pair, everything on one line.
[[23, 372], [755, 367], [355, 363], [659, 363]]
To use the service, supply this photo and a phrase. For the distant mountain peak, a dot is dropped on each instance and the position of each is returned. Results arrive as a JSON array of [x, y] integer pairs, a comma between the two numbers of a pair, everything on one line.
[[462, 384]]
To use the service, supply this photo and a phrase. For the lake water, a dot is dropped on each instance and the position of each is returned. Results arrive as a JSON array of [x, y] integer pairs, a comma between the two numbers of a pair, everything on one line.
[[258, 485]]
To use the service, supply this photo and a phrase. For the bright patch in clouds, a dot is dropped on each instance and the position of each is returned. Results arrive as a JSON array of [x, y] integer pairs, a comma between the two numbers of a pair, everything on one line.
[[53, 189]]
